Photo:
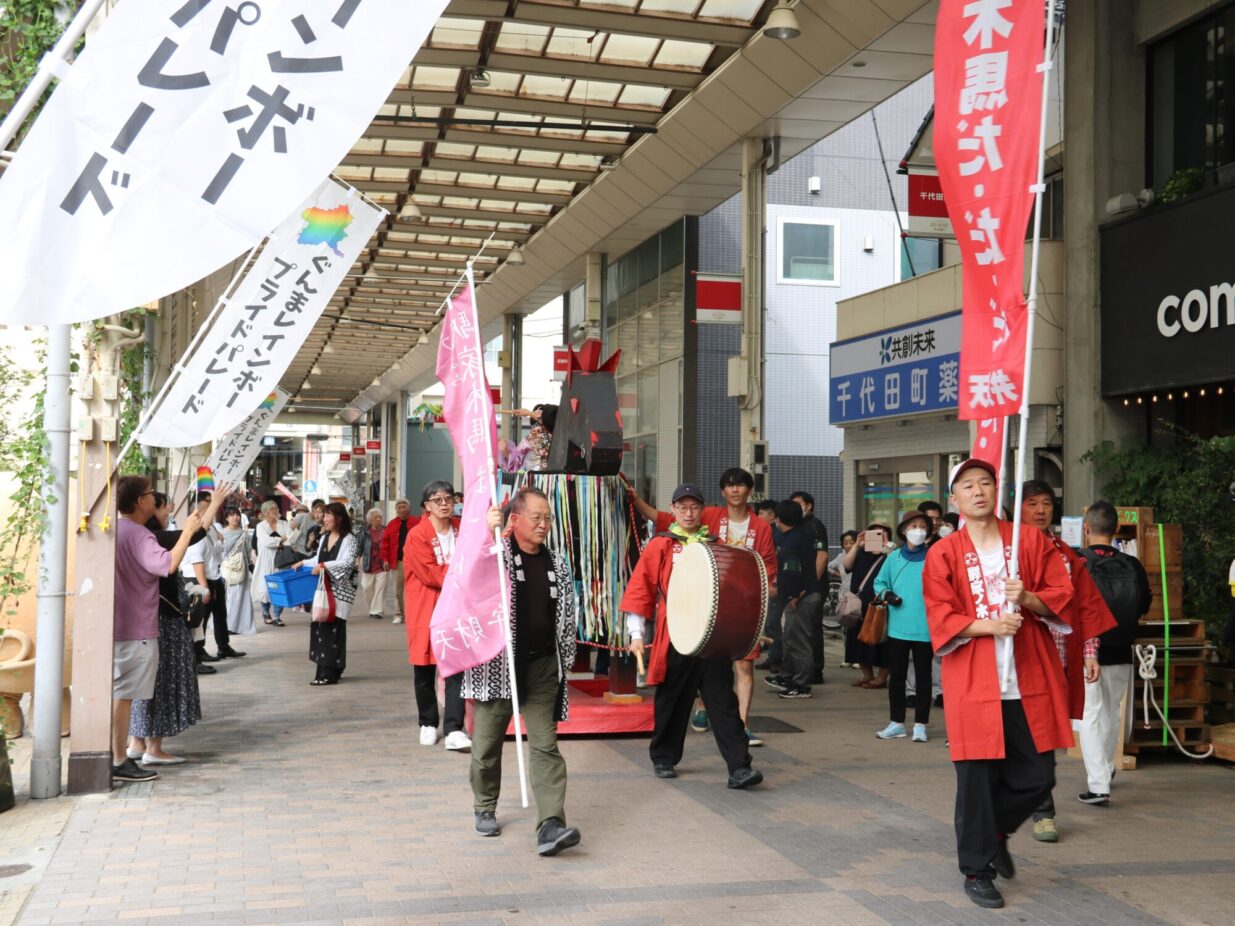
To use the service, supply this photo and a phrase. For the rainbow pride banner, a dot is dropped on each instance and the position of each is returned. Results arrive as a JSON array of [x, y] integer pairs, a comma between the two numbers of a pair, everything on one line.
[[265, 319]]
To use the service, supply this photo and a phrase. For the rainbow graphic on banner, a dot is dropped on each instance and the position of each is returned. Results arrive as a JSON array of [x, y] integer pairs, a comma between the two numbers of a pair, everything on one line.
[[205, 479], [270, 400], [325, 226]]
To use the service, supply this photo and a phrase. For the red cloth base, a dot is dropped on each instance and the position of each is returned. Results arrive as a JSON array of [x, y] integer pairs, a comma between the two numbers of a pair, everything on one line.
[[590, 713]]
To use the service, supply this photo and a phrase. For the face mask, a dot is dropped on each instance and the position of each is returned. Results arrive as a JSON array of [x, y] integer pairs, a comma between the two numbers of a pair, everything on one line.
[[945, 529], [459, 510], [916, 536]]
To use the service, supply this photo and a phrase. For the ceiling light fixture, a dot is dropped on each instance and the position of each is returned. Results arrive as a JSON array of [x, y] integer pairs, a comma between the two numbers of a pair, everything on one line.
[[317, 370], [410, 211], [782, 22], [479, 78], [608, 162], [423, 339], [327, 348], [306, 385], [515, 257], [377, 381]]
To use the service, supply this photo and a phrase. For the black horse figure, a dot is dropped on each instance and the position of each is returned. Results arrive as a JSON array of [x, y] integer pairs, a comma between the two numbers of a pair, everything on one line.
[[587, 436]]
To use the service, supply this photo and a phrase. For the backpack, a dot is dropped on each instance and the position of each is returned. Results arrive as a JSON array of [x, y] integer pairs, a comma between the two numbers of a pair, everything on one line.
[[1120, 579]]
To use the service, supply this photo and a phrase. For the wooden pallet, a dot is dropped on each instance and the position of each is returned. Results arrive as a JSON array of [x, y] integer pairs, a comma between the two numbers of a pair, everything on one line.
[[1191, 734], [1223, 738], [1221, 681]]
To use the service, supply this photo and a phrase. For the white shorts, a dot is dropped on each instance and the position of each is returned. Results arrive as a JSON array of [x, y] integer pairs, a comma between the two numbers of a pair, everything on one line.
[[134, 666]]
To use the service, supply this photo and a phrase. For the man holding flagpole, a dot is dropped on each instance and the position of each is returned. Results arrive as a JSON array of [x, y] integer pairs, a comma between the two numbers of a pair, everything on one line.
[[542, 626], [1002, 742]]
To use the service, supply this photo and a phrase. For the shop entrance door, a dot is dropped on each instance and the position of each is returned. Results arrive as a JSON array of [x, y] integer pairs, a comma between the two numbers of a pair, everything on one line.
[[878, 499]]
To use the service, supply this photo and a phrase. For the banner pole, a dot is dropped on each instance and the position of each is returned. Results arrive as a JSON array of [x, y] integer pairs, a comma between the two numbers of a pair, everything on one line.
[[1003, 463], [491, 481], [1031, 313], [47, 71]]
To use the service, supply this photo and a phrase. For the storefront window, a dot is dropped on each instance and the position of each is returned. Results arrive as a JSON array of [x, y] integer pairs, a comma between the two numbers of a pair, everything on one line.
[[898, 487], [919, 256], [807, 252], [645, 318], [1192, 97]]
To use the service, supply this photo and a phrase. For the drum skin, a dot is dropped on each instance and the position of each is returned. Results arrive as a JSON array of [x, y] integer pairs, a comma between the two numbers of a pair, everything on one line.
[[717, 601]]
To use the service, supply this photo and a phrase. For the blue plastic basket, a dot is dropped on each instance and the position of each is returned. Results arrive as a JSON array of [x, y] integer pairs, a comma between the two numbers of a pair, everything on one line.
[[291, 587]]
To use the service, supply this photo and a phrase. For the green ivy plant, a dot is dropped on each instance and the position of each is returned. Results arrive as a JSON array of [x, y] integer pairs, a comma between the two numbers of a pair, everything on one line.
[[28, 30], [1184, 182], [1186, 483]]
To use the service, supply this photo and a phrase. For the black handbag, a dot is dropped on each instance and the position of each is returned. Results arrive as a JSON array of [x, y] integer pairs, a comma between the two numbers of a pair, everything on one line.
[[286, 558]]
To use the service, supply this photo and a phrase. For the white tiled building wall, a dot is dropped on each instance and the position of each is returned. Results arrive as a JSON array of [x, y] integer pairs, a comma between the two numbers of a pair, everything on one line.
[[801, 323]]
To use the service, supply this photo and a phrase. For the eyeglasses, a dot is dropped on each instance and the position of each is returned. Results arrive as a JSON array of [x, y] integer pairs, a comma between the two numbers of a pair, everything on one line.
[[441, 500], [151, 492], [538, 518]]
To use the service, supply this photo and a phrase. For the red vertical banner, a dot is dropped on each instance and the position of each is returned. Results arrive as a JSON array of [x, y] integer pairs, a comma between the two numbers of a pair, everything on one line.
[[988, 97]]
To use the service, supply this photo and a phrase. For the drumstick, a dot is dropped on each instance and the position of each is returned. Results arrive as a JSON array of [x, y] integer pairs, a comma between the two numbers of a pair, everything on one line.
[[639, 662]]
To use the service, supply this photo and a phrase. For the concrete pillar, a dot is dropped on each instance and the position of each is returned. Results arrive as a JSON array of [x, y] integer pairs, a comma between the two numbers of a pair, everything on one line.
[[512, 379], [593, 293], [754, 224], [1104, 132]]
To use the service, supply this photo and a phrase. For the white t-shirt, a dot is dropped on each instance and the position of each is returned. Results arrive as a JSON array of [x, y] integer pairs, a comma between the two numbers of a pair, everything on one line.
[[206, 552], [995, 573], [447, 542], [737, 533]]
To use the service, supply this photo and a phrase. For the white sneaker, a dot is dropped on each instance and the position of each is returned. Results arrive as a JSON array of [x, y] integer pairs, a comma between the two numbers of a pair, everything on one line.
[[919, 733], [396, 620], [458, 741], [428, 736], [893, 731]]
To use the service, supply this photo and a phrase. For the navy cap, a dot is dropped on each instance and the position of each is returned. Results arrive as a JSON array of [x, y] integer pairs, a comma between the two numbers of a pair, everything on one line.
[[686, 490]]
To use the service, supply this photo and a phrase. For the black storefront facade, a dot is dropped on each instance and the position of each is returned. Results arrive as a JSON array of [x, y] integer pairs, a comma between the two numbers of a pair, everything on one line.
[[1168, 314]]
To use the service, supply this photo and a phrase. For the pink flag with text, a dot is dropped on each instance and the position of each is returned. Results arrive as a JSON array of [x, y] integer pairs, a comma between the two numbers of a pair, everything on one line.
[[468, 625]]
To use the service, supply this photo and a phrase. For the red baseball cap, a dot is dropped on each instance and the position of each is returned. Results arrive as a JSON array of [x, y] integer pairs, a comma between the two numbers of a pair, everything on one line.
[[971, 463]]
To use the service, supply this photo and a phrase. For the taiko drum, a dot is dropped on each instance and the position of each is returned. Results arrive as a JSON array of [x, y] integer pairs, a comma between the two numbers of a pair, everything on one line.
[[717, 601]]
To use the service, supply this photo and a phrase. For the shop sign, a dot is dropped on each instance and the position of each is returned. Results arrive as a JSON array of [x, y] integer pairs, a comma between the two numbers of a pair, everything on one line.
[[358, 450], [345, 458], [718, 299], [1168, 297], [928, 213], [896, 372], [373, 446]]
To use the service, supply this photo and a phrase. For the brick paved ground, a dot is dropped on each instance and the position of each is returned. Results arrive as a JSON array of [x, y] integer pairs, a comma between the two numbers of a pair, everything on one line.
[[317, 805]]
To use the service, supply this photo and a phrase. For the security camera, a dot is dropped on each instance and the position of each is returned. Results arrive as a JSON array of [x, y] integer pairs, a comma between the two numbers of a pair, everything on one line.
[[814, 186]]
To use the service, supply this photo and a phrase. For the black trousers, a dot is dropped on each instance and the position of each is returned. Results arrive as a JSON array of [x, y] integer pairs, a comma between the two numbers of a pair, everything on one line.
[[675, 696], [995, 796], [424, 678], [218, 612], [899, 652]]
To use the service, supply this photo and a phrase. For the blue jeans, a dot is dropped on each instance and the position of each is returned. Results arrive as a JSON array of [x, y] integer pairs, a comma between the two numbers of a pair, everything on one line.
[[271, 611]]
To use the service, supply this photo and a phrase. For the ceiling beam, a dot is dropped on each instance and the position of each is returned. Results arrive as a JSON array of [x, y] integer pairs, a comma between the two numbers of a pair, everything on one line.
[[561, 67], [396, 161], [514, 196], [397, 244], [592, 19], [386, 127], [484, 215], [524, 105]]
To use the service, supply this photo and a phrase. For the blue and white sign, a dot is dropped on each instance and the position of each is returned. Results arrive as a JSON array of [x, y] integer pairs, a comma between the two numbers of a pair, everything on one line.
[[896, 372], [310, 485]]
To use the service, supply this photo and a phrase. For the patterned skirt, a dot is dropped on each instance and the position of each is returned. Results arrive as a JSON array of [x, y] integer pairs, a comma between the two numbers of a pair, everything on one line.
[[328, 643], [177, 703]]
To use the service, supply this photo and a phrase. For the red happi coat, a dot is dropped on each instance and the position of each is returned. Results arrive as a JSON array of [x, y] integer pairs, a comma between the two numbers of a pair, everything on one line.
[[645, 595], [424, 571], [970, 677], [1087, 614]]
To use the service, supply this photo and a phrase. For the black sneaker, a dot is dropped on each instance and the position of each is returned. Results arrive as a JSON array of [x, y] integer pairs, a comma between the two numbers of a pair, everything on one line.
[[776, 683], [664, 771], [1089, 797], [745, 778], [554, 836], [486, 823], [228, 653], [129, 770], [938, 700], [982, 891], [1002, 862], [794, 694]]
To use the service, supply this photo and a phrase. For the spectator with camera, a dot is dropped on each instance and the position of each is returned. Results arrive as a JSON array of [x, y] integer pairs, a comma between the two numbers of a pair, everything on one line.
[[899, 586]]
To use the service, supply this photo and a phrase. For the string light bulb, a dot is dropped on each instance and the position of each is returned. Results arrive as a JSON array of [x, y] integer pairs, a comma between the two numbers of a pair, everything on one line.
[[1202, 392], [1185, 393], [1138, 400], [1155, 398]]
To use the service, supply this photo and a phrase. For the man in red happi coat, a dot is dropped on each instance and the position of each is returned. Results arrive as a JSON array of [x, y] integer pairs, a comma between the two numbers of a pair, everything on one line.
[[677, 677], [1002, 741], [1087, 613], [734, 523], [426, 557]]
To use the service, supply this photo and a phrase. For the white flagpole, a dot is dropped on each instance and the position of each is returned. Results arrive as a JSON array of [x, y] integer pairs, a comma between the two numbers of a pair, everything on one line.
[[490, 467], [1003, 462], [1032, 310]]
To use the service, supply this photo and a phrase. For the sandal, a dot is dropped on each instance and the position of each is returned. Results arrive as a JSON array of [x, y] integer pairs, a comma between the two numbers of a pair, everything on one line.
[[268, 620], [861, 683], [279, 622]]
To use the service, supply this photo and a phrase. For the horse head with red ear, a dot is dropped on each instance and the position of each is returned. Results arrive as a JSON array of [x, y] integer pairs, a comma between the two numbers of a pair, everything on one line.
[[587, 436]]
